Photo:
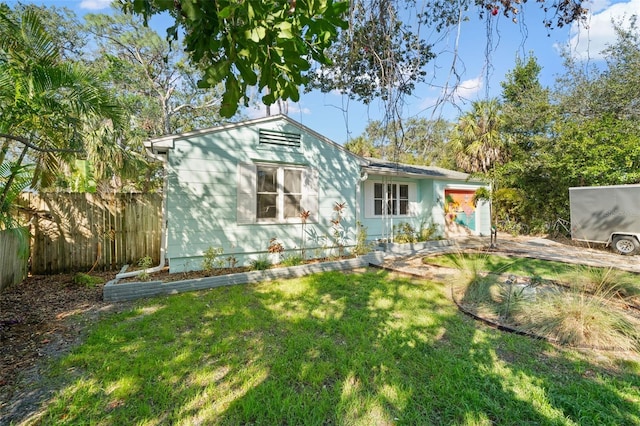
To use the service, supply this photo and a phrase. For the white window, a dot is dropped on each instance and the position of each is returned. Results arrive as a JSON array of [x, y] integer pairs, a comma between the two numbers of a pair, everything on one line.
[[389, 199], [276, 193]]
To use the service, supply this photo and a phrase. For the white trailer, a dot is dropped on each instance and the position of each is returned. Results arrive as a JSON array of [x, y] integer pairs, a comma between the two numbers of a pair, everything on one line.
[[607, 214]]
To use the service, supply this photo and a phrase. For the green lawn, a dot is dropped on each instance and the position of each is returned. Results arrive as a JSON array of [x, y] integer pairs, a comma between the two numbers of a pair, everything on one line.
[[333, 348], [503, 264], [578, 276]]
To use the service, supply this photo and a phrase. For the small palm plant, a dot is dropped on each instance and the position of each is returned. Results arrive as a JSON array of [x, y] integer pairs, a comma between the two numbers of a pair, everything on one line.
[[304, 216], [337, 227], [275, 248]]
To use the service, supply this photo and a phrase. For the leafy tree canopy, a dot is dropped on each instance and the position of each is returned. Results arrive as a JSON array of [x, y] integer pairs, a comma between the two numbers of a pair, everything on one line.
[[274, 44], [415, 141], [158, 85], [269, 44]]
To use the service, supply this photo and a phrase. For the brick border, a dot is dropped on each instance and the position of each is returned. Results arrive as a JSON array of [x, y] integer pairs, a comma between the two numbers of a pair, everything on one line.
[[114, 292]]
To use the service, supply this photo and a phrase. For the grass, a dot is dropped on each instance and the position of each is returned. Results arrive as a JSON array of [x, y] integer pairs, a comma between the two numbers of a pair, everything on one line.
[[584, 311], [334, 348], [501, 264], [590, 278], [260, 264]]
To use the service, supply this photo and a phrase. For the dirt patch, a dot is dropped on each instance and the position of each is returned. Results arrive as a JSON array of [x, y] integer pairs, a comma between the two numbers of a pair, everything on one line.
[[166, 277], [41, 318]]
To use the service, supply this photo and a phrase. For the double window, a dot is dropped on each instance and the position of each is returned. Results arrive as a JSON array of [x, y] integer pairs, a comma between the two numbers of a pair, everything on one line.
[[279, 193], [276, 193], [389, 199]]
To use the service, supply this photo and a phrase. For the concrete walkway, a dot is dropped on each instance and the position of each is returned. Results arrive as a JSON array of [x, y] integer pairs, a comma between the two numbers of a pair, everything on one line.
[[534, 247]]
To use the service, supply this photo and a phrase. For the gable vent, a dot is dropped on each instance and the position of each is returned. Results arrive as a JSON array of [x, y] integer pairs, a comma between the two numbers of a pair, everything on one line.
[[272, 137]]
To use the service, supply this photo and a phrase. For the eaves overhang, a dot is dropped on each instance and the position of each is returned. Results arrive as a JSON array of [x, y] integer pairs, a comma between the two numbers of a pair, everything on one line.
[[388, 168]]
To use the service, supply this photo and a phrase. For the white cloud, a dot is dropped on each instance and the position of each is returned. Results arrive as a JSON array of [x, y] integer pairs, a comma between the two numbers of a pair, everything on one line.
[[297, 109], [588, 43], [95, 4], [596, 5], [468, 88]]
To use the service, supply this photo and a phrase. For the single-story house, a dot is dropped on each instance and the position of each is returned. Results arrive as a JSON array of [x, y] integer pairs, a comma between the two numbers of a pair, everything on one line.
[[237, 187]]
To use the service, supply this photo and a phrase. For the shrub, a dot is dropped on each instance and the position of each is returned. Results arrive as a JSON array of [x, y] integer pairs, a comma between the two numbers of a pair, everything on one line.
[[275, 246], [232, 261], [362, 246], [428, 233], [145, 263], [577, 318], [292, 260], [210, 260], [260, 264], [87, 280], [404, 233]]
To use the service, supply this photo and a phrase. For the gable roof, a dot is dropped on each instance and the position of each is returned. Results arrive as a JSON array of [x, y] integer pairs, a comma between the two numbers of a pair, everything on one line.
[[371, 165], [383, 167], [163, 143]]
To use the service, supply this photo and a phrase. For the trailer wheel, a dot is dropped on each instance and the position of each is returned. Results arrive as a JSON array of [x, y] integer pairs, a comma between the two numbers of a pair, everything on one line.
[[625, 244]]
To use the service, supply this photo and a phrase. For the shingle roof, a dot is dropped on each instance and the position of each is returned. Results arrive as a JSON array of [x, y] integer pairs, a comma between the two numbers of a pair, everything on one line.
[[377, 166]]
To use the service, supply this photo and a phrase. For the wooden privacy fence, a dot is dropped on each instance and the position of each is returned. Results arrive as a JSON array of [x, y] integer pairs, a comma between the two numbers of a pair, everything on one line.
[[78, 231], [14, 257]]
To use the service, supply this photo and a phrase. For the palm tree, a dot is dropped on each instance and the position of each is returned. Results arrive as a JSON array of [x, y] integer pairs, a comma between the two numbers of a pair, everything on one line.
[[479, 146], [477, 140], [51, 110]]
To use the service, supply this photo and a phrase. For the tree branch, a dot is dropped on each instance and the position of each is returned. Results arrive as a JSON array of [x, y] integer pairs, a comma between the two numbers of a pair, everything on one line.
[[28, 144], [196, 107]]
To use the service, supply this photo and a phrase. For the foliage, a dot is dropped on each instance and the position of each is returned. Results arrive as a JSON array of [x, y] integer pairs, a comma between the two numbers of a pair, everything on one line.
[[52, 111], [508, 203], [292, 260], [362, 245], [268, 44], [477, 139], [404, 233], [260, 264], [337, 229], [414, 141], [210, 258], [378, 54], [87, 280], [145, 263], [275, 246], [156, 83], [570, 316], [232, 261], [304, 216], [605, 281], [574, 318], [582, 133], [62, 27], [427, 232], [14, 178], [274, 44]]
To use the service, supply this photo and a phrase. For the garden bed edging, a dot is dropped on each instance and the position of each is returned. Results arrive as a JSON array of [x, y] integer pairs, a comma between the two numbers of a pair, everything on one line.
[[115, 292]]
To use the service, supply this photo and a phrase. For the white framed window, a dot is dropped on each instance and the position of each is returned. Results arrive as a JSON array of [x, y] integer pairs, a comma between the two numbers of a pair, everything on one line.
[[278, 193], [390, 199], [273, 193]]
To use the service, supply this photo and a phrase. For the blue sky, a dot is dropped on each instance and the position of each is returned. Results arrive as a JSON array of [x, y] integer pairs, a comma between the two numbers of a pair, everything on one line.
[[486, 51]]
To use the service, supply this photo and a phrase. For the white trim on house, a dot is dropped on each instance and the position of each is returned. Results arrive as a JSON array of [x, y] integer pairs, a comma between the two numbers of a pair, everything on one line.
[[247, 193], [163, 143], [369, 199]]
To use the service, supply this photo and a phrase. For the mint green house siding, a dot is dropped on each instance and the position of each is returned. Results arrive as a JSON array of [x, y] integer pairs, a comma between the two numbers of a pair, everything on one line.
[[424, 197], [211, 199], [238, 186]]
